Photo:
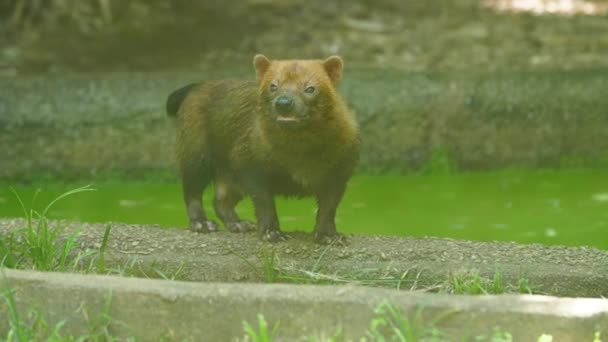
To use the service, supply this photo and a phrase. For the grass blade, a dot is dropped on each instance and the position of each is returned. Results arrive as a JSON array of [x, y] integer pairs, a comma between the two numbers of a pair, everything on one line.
[[67, 248], [27, 215], [67, 194], [101, 262]]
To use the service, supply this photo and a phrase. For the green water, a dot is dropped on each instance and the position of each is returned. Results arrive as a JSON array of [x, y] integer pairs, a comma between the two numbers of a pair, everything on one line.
[[566, 207]]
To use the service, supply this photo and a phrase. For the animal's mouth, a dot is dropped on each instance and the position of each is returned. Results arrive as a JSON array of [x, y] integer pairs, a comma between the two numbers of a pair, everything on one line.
[[287, 119]]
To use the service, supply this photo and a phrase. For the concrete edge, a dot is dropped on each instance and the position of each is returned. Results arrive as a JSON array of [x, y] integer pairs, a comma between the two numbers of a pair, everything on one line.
[[149, 309]]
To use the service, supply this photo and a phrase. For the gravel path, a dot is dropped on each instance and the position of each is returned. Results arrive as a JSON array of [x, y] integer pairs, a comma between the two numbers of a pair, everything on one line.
[[421, 263]]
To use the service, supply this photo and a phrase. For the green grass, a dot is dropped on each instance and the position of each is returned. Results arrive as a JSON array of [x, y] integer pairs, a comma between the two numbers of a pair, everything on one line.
[[35, 327], [38, 245], [44, 247], [266, 269], [389, 324], [263, 333], [101, 260], [269, 269], [472, 283]]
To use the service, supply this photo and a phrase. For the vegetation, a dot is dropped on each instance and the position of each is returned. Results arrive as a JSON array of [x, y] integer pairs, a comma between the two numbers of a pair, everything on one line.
[[270, 270], [448, 86], [28, 14], [390, 325], [42, 247], [39, 246], [262, 333], [472, 283], [443, 34], [36, 328]]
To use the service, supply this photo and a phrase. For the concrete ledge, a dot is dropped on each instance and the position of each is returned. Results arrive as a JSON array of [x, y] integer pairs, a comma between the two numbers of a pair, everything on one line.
[[149, 309]]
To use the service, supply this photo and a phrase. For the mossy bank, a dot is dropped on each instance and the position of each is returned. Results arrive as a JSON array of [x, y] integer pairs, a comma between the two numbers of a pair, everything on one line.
[[82, 125]]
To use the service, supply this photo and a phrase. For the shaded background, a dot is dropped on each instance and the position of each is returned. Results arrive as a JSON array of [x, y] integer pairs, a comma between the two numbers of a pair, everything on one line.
[[507, 99], [462, 84], [109, 35]]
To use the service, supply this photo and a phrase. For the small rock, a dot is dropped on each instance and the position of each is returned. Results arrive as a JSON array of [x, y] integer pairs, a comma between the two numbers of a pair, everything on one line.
[[135, 243]]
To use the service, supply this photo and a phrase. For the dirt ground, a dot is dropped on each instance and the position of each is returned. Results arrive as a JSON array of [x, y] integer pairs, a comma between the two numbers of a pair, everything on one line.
[[406, 263]]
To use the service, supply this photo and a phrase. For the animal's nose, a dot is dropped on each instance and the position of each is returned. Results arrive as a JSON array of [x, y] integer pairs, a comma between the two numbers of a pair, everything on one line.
[[284, 104]]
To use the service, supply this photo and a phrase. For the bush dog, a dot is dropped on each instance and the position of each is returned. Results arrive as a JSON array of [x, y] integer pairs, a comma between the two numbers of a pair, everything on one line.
[[289, 133]]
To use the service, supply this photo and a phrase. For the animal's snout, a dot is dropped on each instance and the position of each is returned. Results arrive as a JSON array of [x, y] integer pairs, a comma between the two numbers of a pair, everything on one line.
[[284, 104]]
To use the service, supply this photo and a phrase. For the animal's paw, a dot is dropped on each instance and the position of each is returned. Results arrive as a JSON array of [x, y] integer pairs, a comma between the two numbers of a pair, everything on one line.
[[274, 236], [203, 226], [331, 239], [241, 226]]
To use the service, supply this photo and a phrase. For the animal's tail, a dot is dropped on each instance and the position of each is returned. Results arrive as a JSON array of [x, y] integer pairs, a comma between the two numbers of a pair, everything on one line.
[[174, 101]]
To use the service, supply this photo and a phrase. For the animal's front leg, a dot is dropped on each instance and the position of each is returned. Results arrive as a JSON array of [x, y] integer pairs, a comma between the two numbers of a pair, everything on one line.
[[328, 199], [265, 210], [195, 177]]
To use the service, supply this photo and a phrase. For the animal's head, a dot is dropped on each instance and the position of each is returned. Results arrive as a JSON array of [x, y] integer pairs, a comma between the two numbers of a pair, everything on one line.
[[296, 93]]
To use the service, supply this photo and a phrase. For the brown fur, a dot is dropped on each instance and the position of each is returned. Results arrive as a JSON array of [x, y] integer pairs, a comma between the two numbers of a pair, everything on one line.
[[233, 134]]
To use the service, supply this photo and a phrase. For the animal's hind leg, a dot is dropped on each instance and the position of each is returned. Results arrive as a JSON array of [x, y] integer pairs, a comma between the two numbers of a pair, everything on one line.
[[196, 175], [227, 195]]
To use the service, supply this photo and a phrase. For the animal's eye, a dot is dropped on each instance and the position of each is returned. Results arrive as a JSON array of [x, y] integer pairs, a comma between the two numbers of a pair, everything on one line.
[[273, 87], [309, 90]]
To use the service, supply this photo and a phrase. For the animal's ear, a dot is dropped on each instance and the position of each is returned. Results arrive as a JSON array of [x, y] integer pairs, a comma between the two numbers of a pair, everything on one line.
[[333, 66], [261, 64]]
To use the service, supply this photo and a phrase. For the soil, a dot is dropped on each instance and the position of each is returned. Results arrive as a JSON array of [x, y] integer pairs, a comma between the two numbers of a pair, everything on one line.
[[412, 263]]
